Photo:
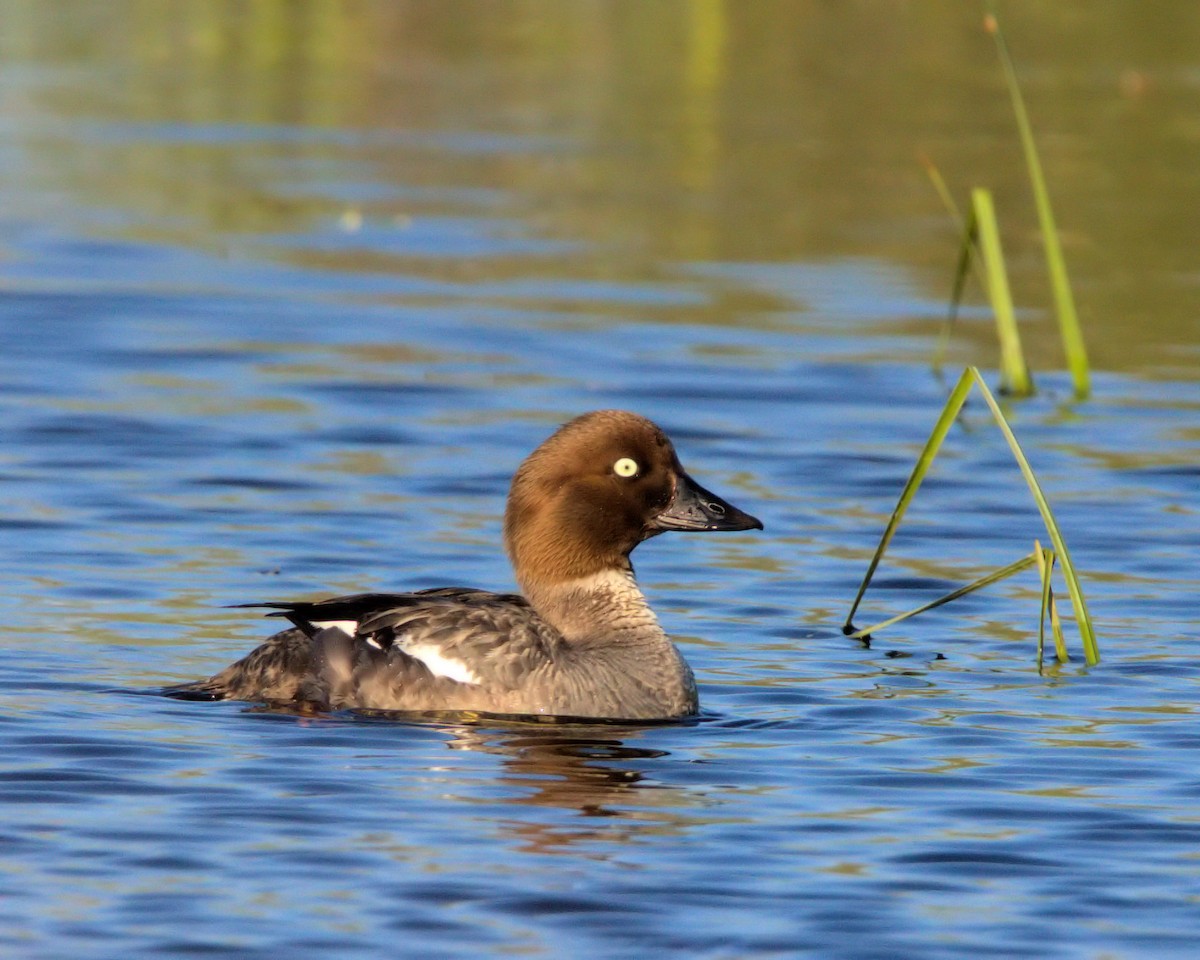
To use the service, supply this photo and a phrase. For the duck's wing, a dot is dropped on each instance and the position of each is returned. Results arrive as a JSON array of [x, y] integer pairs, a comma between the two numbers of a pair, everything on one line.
[[427, 650], [438, 649], [279, 667]]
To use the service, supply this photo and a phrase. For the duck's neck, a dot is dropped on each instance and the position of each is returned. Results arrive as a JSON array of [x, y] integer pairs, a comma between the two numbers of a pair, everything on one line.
[[606, 603]]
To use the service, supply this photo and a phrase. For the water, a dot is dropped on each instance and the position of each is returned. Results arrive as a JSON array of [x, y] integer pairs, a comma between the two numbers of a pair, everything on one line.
[[287, 291]]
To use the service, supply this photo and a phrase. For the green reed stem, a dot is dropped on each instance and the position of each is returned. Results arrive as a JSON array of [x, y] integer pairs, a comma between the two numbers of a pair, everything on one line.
[[1045, 562], [1064, 298], [1086, 632], [996, 575], [971, 377], [953, 404], [1013, 370]]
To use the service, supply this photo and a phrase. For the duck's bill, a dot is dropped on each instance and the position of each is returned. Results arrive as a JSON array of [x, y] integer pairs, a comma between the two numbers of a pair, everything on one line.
[[694, 508]]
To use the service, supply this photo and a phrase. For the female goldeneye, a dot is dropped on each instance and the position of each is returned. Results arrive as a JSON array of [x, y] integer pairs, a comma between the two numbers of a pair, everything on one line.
[[582, 640]]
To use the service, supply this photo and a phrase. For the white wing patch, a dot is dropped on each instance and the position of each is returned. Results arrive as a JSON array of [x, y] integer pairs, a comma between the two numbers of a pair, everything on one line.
[[435, 661], [348, 627], [438, 663]]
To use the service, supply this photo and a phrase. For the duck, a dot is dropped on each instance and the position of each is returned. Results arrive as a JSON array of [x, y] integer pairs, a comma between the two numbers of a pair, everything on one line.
[[580, 639]]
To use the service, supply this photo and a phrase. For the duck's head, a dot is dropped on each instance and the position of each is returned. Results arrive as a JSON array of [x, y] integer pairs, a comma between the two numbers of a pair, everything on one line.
[[594, 490]]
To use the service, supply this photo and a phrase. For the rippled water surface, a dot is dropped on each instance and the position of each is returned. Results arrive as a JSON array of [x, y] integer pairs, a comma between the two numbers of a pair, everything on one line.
[[288, 290]]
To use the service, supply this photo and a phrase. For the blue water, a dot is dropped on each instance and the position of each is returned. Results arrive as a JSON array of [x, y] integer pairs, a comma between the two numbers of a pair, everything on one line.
[[196, 413]]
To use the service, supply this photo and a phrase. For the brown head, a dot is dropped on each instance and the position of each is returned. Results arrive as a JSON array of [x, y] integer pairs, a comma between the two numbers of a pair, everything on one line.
[[594, 490]]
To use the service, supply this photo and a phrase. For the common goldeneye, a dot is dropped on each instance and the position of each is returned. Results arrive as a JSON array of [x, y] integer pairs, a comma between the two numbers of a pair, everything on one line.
[[580, 642]]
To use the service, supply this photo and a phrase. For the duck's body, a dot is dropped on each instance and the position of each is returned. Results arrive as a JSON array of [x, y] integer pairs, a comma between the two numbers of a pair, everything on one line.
[[581, 642]]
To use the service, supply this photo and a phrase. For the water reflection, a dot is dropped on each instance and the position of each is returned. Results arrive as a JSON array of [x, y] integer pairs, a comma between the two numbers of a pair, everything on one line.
[[620, 141], [594, 770]]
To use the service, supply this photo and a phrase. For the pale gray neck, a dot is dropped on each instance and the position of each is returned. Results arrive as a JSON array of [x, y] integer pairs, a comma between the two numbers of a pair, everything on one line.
[[607, 603]]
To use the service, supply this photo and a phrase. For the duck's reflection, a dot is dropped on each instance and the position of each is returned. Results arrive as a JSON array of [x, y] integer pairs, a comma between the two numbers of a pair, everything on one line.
[[592, 770]]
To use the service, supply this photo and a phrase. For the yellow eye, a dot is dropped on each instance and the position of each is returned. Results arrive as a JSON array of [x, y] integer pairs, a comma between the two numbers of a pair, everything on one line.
[[626, 467]]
